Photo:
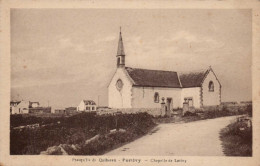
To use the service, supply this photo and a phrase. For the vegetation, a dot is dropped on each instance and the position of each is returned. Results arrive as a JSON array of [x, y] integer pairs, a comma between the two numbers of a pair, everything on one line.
[[208, 113], [76, 130], [237, 139]]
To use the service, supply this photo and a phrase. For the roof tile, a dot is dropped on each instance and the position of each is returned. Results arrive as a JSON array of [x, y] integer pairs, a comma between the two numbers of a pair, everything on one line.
[[169, 79]]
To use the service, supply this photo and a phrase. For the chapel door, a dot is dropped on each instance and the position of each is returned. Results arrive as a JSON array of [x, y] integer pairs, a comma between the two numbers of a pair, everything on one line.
[[169, 104]]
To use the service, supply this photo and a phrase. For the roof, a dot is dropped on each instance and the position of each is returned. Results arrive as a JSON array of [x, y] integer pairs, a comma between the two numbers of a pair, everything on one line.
[[169, 79], [14, 102], [153, 78], [89, 102], [71, 108], [120, 49], [33, 102], [192, 79]]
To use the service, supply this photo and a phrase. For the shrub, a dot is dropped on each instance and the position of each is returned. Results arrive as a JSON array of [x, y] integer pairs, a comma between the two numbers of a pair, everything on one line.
[[249, 110], [189, 114], [237, 142], [75, 130]]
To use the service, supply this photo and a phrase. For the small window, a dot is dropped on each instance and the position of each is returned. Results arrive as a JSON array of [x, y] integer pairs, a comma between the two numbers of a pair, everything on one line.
[[156, 97], [119, 84], [211, 86], [118, 61], [189, 100]]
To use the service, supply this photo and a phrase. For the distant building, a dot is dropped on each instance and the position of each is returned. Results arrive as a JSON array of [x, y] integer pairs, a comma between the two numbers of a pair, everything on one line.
[[70, 110], [102, 108], [87, 105], [59, 111], [33, 104], [40, 110], [25, 107], [19, 107]]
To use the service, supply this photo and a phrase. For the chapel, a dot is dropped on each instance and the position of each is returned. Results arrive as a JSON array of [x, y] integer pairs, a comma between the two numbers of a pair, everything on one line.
[[144, 88]]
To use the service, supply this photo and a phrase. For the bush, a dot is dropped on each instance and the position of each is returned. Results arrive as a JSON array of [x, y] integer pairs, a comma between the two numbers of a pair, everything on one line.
[[74, 130], [189, 114], [237, 142], [249, 110]]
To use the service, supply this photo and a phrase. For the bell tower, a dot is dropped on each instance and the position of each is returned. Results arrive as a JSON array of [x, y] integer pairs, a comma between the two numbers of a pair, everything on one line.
[[120, 52]]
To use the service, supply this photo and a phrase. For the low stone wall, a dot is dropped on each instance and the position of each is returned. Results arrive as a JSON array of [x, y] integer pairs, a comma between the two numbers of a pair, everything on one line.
[[152, 111], [232, 108]]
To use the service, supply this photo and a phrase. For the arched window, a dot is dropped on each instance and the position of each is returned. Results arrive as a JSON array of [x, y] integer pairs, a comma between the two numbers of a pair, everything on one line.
[[156, 97], [211, 86], [119, 84]]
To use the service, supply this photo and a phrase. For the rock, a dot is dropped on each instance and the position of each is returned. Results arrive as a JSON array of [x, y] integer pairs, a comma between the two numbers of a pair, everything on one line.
[[74, 147], [112, 131], [62, 149], [122, 130], [92, 139], [54, 150], [44, 153]]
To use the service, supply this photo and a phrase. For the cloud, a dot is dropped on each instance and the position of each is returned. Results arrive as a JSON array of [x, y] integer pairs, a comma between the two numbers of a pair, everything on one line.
[[67, 43], [170, 52], [104, 39], [186, 37], [67, 61], [183, 35]]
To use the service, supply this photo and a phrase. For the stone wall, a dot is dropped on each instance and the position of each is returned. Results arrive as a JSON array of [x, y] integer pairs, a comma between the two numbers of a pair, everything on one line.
[[155, 112], [232, 108]]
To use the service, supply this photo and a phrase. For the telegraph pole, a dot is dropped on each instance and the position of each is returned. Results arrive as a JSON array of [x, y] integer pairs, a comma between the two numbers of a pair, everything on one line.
[[98, 101]]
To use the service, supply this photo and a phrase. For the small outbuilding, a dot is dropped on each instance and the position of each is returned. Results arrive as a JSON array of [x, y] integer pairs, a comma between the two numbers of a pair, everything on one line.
[[87, 105], [19, 107]]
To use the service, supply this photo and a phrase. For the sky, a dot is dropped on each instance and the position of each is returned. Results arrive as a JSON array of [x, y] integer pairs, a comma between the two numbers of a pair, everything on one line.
[[61, 56]]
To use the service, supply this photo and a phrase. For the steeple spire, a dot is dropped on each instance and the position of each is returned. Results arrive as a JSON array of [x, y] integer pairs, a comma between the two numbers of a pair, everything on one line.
[[120, 49], [120, 52]]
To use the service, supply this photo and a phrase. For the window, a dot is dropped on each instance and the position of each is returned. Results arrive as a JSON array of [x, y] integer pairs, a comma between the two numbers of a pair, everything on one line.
[[211, 86], [189, 100], [119, 84], [156, 97], [118, 61]]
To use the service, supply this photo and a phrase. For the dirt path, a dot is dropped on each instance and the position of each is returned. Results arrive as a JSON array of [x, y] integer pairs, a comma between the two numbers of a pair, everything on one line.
[[200, 138]]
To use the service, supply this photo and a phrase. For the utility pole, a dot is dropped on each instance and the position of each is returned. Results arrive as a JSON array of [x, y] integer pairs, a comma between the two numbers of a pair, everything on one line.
[[98, 101]]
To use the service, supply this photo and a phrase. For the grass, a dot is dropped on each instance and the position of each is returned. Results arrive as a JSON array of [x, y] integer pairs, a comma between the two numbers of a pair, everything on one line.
[[237, 142]]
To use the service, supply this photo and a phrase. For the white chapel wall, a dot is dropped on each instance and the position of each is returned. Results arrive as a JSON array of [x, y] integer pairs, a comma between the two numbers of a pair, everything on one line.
[[194, 93], [143, 97], [210, 98], [116, 98]]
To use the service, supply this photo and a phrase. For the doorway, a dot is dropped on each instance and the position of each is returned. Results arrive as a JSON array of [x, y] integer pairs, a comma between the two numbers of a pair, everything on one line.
[[169, 104]]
